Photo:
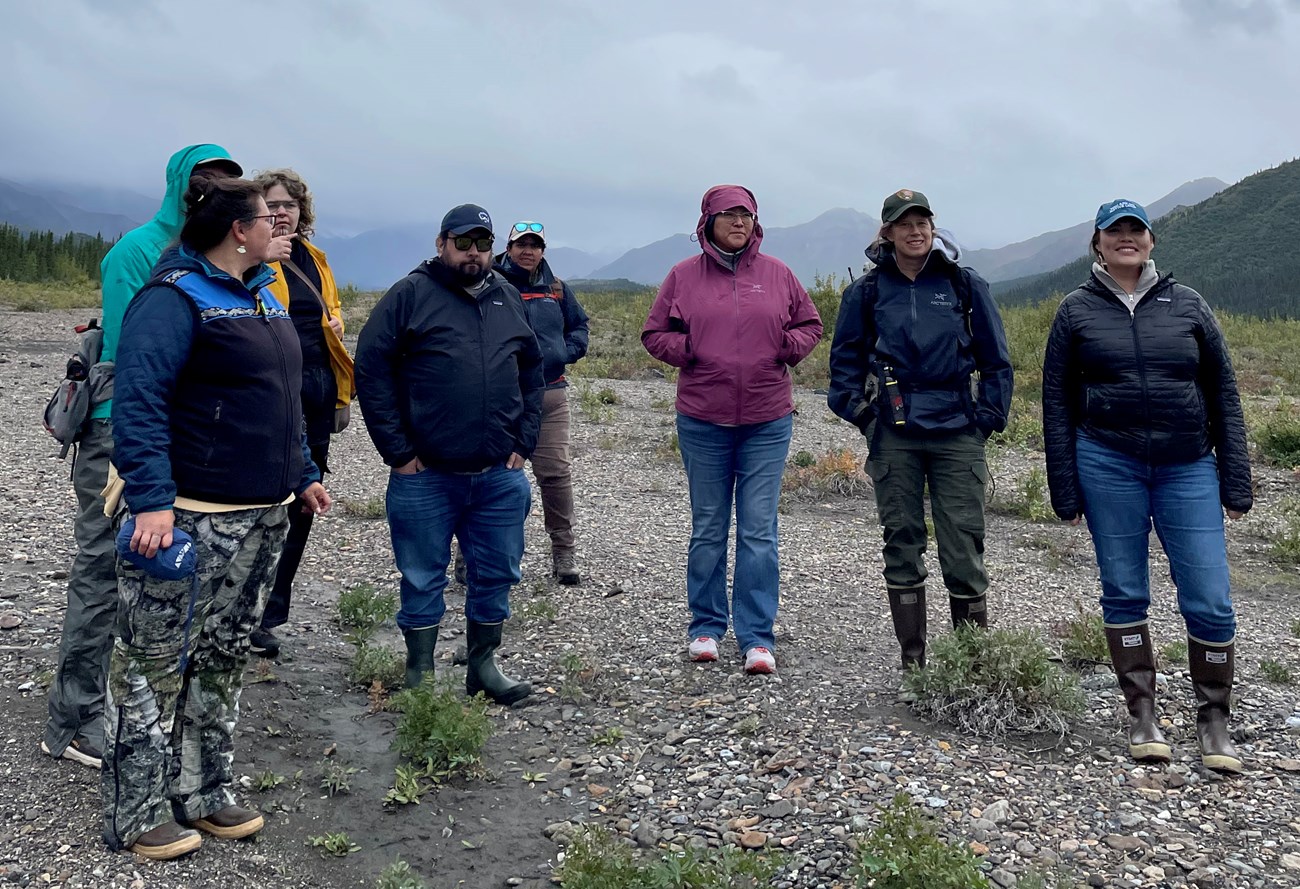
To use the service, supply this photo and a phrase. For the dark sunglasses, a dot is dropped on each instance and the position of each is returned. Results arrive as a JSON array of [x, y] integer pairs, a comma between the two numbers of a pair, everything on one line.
[[482, 245], [528, 227]]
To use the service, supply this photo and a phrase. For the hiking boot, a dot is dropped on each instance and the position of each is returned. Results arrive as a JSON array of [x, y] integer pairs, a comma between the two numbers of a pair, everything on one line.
[[704, 650], [458, 569], [79, 750], [419, 653], [264, 643], [231, 823], [565, 571], [483, 674], [759, 660], [1135, 666], [1212, 668], [166, 841]]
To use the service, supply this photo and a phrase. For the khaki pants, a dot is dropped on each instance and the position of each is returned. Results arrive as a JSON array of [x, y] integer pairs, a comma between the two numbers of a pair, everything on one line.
[[552, 465]]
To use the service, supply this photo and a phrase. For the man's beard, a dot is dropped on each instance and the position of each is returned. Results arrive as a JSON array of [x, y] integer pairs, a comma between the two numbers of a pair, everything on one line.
[[467, 278]]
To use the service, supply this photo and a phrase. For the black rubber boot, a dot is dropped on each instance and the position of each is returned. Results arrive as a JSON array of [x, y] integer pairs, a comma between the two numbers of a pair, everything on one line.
[[1213, 668], [1135, 666], [482, 673], [969, 611], [419, 653], [907, 607]]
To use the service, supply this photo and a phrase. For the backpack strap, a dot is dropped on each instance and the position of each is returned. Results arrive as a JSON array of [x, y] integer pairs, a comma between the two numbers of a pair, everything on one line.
[[961, 284]]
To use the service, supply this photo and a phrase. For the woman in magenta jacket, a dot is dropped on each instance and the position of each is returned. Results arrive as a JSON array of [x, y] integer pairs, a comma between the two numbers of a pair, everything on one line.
[[734, 321]]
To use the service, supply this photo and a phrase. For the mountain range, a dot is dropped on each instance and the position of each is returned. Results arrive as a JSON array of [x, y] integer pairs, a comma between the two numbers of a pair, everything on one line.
[[832, 243]]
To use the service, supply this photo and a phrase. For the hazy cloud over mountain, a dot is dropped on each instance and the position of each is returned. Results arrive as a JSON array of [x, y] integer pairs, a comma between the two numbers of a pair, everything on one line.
[[607, 120]]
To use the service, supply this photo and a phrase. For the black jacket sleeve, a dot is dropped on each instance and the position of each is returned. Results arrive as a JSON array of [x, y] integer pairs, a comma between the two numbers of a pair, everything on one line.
[[378, 376], [992, 358], [1060, 376], [851, 350], [1223, 405], [532, 383]]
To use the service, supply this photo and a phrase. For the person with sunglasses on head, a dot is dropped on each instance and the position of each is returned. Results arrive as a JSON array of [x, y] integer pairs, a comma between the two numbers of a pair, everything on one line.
[[734, 320], [1143, 425], [449, 375], [209, 443], [558, 320], [920, 364], [304, 283], [75, 728]]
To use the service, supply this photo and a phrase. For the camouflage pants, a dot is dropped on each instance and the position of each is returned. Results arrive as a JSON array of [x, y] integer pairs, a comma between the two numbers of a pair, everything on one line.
[[169, 745]]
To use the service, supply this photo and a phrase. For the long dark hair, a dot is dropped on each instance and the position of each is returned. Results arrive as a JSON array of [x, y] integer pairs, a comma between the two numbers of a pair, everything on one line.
[[211, 205]]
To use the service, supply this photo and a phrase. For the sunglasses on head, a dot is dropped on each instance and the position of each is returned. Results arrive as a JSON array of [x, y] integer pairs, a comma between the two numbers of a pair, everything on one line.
[[522, 227], [464, 242]]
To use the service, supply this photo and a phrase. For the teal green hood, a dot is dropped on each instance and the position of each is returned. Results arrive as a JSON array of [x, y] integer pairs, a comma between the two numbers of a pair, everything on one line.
[[171, 216]]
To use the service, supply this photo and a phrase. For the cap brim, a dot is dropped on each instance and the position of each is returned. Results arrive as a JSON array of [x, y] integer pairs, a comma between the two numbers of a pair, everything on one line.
[[519, 236], [466, 229], [1123, 214], [903, 209], [224, 163]]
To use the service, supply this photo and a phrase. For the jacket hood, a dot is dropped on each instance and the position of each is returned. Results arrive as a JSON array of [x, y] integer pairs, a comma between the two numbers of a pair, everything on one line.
[[520, 277], [171, 215], [724, 197], [182, 258], [945, 245]]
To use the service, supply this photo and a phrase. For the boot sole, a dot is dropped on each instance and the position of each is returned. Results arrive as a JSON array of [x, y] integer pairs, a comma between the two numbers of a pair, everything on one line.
[[72, 754], [231, 832], [1150, 752], [516, 695], [174, 849], [1219, 763]]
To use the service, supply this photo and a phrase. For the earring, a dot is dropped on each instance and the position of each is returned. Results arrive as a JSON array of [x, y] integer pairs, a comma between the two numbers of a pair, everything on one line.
[[241, 249]]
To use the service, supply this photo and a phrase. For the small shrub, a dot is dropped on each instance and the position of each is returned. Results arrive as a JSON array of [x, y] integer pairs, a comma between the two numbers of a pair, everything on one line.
[[408, 786], [1174, 652], [363, 609], [577, 677], [995, 683], [399, 875], [1083, 639], [1024, 425], [1295, 628], [376, 663], [607, 738], [803, 460], [607, 395], [1277, 434], [1029, 499], [662, 402], [336, 778], [669, 450], [837, 473], [336, 844], [596, 859], [1052, 878], [370, 508], [540, 609], [441, 729], [267, 781], [905, 851], [1275, 672], [1286, 547]]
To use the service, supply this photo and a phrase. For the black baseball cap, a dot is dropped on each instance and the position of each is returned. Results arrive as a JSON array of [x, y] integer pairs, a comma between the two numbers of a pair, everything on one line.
[[466, 218], [900, 202]]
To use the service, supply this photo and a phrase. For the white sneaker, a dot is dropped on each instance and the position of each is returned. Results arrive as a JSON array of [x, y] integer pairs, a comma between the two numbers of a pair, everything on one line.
[[703, 649], [759, 660]]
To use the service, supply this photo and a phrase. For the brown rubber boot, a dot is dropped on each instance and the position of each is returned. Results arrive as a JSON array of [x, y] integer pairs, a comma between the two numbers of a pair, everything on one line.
[[969, 611], [231, 823], [1212, 668], [166, 841], [1135, 666]]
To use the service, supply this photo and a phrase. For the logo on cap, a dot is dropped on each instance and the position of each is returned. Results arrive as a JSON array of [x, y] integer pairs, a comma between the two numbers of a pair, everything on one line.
[[483, 215], [905, 194]]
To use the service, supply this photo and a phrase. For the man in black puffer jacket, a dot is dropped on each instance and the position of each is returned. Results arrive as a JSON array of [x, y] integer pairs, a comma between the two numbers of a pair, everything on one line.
[[449, 376]]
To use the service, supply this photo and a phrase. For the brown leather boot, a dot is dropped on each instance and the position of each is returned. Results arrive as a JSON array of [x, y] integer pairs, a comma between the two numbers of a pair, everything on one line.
[[166, 841], [971, 611], [1135, 666], [1212, 668], [231, 823]]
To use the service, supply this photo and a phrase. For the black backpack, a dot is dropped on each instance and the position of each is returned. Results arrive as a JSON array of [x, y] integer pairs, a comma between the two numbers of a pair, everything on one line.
[[86, 383]]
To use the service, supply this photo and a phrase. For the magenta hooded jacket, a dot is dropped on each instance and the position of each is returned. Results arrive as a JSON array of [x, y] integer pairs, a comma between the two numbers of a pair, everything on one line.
[[734, 334]]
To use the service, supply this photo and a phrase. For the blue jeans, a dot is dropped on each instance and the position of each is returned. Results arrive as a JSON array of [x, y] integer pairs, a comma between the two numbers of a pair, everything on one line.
[[1122, 496], [744, 462], [485, 512]]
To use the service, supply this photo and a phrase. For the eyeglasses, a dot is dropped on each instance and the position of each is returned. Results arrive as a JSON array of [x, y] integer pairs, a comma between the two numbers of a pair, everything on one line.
[[270, 219], [482, 245], [277, 206], [730, 216], [522, 227]]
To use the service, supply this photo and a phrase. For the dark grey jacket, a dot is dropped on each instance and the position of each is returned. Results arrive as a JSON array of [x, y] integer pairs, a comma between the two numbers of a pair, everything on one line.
[[1156, 384]]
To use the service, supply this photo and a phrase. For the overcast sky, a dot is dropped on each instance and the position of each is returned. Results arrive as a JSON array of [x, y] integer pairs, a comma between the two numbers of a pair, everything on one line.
[[608, 119]]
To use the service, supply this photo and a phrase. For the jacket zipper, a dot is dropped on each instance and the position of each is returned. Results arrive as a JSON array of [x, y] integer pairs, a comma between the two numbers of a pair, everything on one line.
[[740, 367], [290, 439], [1142, 377]]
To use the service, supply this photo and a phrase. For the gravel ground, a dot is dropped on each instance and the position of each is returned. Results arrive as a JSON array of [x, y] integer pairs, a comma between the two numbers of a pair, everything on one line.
[[629, 735]]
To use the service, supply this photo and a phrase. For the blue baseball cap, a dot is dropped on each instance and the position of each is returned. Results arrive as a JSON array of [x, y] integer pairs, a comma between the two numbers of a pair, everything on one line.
[[465, 218], [176, 562], [1112, 212]]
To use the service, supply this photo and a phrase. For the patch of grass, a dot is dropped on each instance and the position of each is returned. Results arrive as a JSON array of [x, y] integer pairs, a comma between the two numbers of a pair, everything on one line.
[[440, 729], [336, 778], [1295, 628], [409, 785], [267, 781], [399, 875], [837, 473], [577, 677], [905, 851], [608, 738], [1029, 498], [607, 442], [1174, 652], [1083, 639], [376, 663], [370, 508], [363, 608], [662, 403], [803, 460], [1052, 878], [25, 297], [994, 684], [1286, 548], [1275, 672], [669, 450], [596, 404], [540, 609], [336, 844], [1024, 425], [1277, 433], [749, 725], [596, 859]]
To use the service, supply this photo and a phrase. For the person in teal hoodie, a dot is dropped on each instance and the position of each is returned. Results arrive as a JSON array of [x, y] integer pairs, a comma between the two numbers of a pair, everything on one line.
[[76, 704]]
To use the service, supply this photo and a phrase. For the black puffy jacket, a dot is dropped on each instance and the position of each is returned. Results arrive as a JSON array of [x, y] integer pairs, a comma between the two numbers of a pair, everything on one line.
[[1156, 384]]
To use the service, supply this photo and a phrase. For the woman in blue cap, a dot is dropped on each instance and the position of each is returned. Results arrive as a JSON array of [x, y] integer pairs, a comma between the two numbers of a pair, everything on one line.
[[1143, 425]]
